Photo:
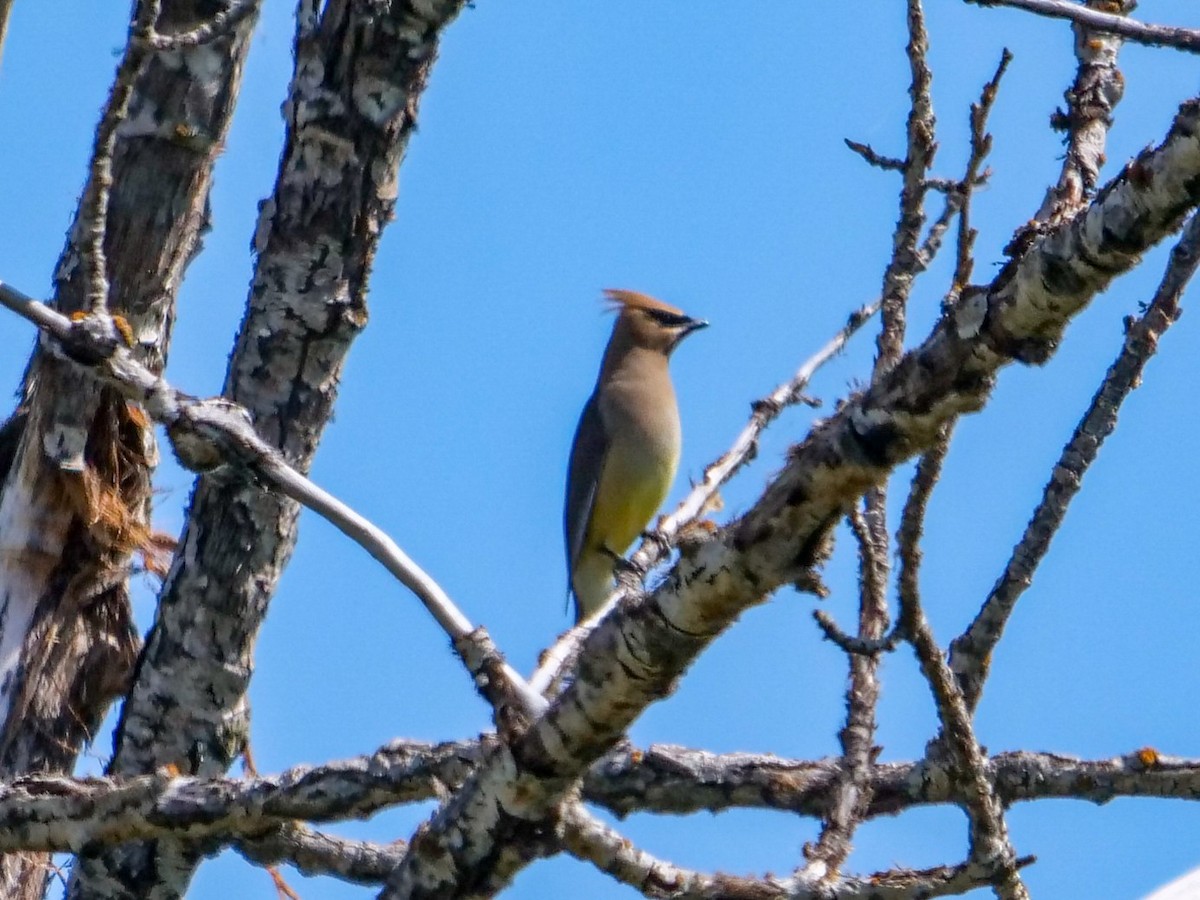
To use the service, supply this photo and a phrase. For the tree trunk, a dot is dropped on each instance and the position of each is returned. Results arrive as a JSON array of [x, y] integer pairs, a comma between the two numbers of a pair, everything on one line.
[[353, 104], [76, 461]]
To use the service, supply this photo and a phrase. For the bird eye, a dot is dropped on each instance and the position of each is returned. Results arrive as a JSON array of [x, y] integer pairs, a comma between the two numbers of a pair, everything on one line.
[[668, 319]]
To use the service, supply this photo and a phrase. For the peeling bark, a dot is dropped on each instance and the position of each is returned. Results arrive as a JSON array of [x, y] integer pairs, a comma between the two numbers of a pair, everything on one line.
[[360, 71], [74, 505]]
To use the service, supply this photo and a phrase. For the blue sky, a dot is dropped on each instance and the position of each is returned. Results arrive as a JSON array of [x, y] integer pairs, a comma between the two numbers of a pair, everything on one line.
[[692, 151]]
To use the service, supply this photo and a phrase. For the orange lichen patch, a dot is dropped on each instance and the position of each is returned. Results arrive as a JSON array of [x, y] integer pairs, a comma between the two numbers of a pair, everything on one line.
[[78, 315], [123, 329], [636, 756], [699, 530], [1148, 757]]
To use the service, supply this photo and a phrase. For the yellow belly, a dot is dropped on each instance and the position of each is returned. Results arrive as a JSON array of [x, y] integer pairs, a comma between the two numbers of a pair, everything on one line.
[[632, 487]]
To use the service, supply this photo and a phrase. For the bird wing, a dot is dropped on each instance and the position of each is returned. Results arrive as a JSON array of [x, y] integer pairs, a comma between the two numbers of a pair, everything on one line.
[[583, 475]]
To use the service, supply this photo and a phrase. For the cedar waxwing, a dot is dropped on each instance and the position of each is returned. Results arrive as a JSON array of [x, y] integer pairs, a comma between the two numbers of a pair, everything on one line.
[[626, 447]]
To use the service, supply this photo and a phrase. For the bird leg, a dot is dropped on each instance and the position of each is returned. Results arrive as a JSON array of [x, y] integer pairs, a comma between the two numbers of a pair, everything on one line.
[[626, 573]]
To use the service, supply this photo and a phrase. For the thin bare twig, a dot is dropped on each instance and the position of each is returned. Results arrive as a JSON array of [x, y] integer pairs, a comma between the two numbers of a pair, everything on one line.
[[981, 146], [207, 434], [949, 185], [921, 126], [872, 582], [867, 152], [588, 838], [971, 652], [990, 844], [93, 218], [852, 795], [857, 738], [1187, 39], [959, 197], [851, 644]]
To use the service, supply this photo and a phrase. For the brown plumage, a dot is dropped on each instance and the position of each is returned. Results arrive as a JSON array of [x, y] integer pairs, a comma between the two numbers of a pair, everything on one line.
[[626, 447]]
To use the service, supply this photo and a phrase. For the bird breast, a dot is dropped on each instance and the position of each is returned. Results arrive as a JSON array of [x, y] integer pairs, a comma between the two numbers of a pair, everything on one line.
[[642, 424]]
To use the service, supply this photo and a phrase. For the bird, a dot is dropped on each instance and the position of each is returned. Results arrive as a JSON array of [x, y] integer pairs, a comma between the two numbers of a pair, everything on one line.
[[626, 446]]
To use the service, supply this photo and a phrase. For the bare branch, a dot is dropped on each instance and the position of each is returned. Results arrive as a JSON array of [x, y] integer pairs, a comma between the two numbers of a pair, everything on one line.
[[1097, 89], [971, 652], [93, 218], [851, 644], [1187, 39], [887, 163], [316, 853], [45, 812], [59, 813], [633, 659], [990, 843], [680, 780], [981, 146], [851, 796], [921, 129], [589, 839], [207, 434], [857, 738]]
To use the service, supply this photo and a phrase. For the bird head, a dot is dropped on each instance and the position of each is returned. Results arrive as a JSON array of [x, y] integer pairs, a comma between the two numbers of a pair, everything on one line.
[[650, 323]]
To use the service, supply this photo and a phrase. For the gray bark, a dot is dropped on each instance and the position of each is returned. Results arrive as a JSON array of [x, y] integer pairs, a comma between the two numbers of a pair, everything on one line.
[[352, 106], [75, 461], [479, 841]]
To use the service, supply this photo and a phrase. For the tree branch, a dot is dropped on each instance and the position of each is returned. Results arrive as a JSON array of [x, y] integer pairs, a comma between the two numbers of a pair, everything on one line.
[[76, 461], [990, 843], [209, 434], [857, 737], [971, 652], [587, 838], [1091, 99], [93, 213], [633, 659], [315, 853], [220, 25], [1187, 39], [360, 70]]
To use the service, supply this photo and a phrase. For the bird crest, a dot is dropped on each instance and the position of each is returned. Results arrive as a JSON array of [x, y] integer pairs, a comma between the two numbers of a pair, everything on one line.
[[620, 300]]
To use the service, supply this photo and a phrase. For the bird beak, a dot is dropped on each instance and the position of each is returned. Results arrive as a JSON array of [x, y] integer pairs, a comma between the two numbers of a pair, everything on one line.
[[694, 325]]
